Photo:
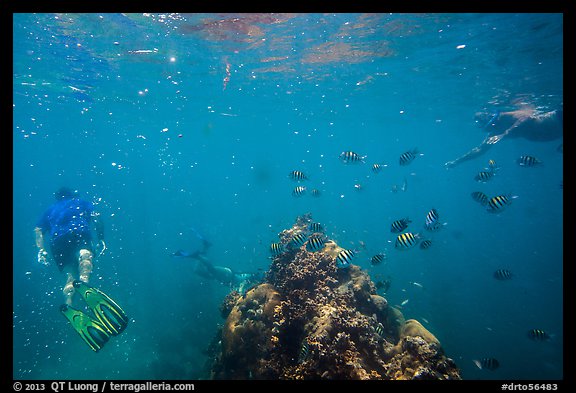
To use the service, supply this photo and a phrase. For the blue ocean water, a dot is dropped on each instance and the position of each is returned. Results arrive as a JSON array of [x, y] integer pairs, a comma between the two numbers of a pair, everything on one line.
[[176, 123]]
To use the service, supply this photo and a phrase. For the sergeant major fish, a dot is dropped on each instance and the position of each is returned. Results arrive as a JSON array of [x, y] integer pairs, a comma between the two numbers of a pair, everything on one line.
[[499, 202], [350, 157], [400, 225], [528, 161], [298, 191], [406, 240], [297, 175], [409, 156], [487, 364], [344, 258]]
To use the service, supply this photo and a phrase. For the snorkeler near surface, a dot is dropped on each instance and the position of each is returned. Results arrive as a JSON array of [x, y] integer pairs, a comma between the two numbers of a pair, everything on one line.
[[525, 122], [69, 223], [236, 280]]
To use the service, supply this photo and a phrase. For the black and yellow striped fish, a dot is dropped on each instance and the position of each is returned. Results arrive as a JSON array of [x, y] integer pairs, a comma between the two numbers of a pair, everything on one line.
[[379, 329], [503, 274], [378, 167], [297, 175], [484, 176], [499, 202], [350, 157], [432, 217], [378, 259], [276, 249], [425, 244], [298, 240], [344, 258], [315, 227], [298, 191], [528, 161], [400, 225], [487, 364], [538, 335], [406, 240], [315, 193], [315, 243], [304, 351], [480, 197], [409, 156]]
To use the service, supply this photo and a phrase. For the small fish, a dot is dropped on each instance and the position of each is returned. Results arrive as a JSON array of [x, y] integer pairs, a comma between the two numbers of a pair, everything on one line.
[[406, 240], [436, 226], [404, 302], [358, 187], [487, 364], [297, 175], [316, 243], [499, 203], [378, 259], [379, 329], [316, 227], [400, 225], [503, 274], [344, 258], [480, 197], [276, 249], [304, 351], [409, 156], [432, 217], [298, 191], [383, 285], [492, 165], [416, 284], [484, 176], [425, 244], [378, 167], [538, 335], [315, 193], [349, 157], [528, 161], [298, 240]]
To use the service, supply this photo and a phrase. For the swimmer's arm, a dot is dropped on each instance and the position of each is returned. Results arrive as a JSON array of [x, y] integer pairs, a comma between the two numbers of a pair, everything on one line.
[[42, 254], [476, 151], [497, 138], [98, 226], [39, 237]]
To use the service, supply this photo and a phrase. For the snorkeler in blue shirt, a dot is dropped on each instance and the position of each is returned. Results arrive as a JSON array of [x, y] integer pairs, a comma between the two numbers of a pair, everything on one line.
[[69, 222]]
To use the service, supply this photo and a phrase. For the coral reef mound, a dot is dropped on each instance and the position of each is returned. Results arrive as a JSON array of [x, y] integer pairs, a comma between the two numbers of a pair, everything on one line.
[[311, 319]]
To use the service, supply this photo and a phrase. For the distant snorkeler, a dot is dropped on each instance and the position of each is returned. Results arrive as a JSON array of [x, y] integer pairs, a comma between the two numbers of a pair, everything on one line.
[[525, 122], [238, 281]]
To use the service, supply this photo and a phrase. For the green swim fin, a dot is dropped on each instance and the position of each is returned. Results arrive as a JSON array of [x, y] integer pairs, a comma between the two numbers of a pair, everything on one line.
[[107, 311], [91, 331]]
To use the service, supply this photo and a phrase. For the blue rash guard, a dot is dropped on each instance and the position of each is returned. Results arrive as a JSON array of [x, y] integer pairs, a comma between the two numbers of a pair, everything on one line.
[[68, 222]]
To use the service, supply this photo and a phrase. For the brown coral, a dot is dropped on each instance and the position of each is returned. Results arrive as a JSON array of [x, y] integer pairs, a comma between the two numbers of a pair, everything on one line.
[[312, 320]]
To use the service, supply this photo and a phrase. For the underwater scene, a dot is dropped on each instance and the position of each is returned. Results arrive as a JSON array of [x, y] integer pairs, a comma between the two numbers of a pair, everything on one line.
[[287, 196]]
